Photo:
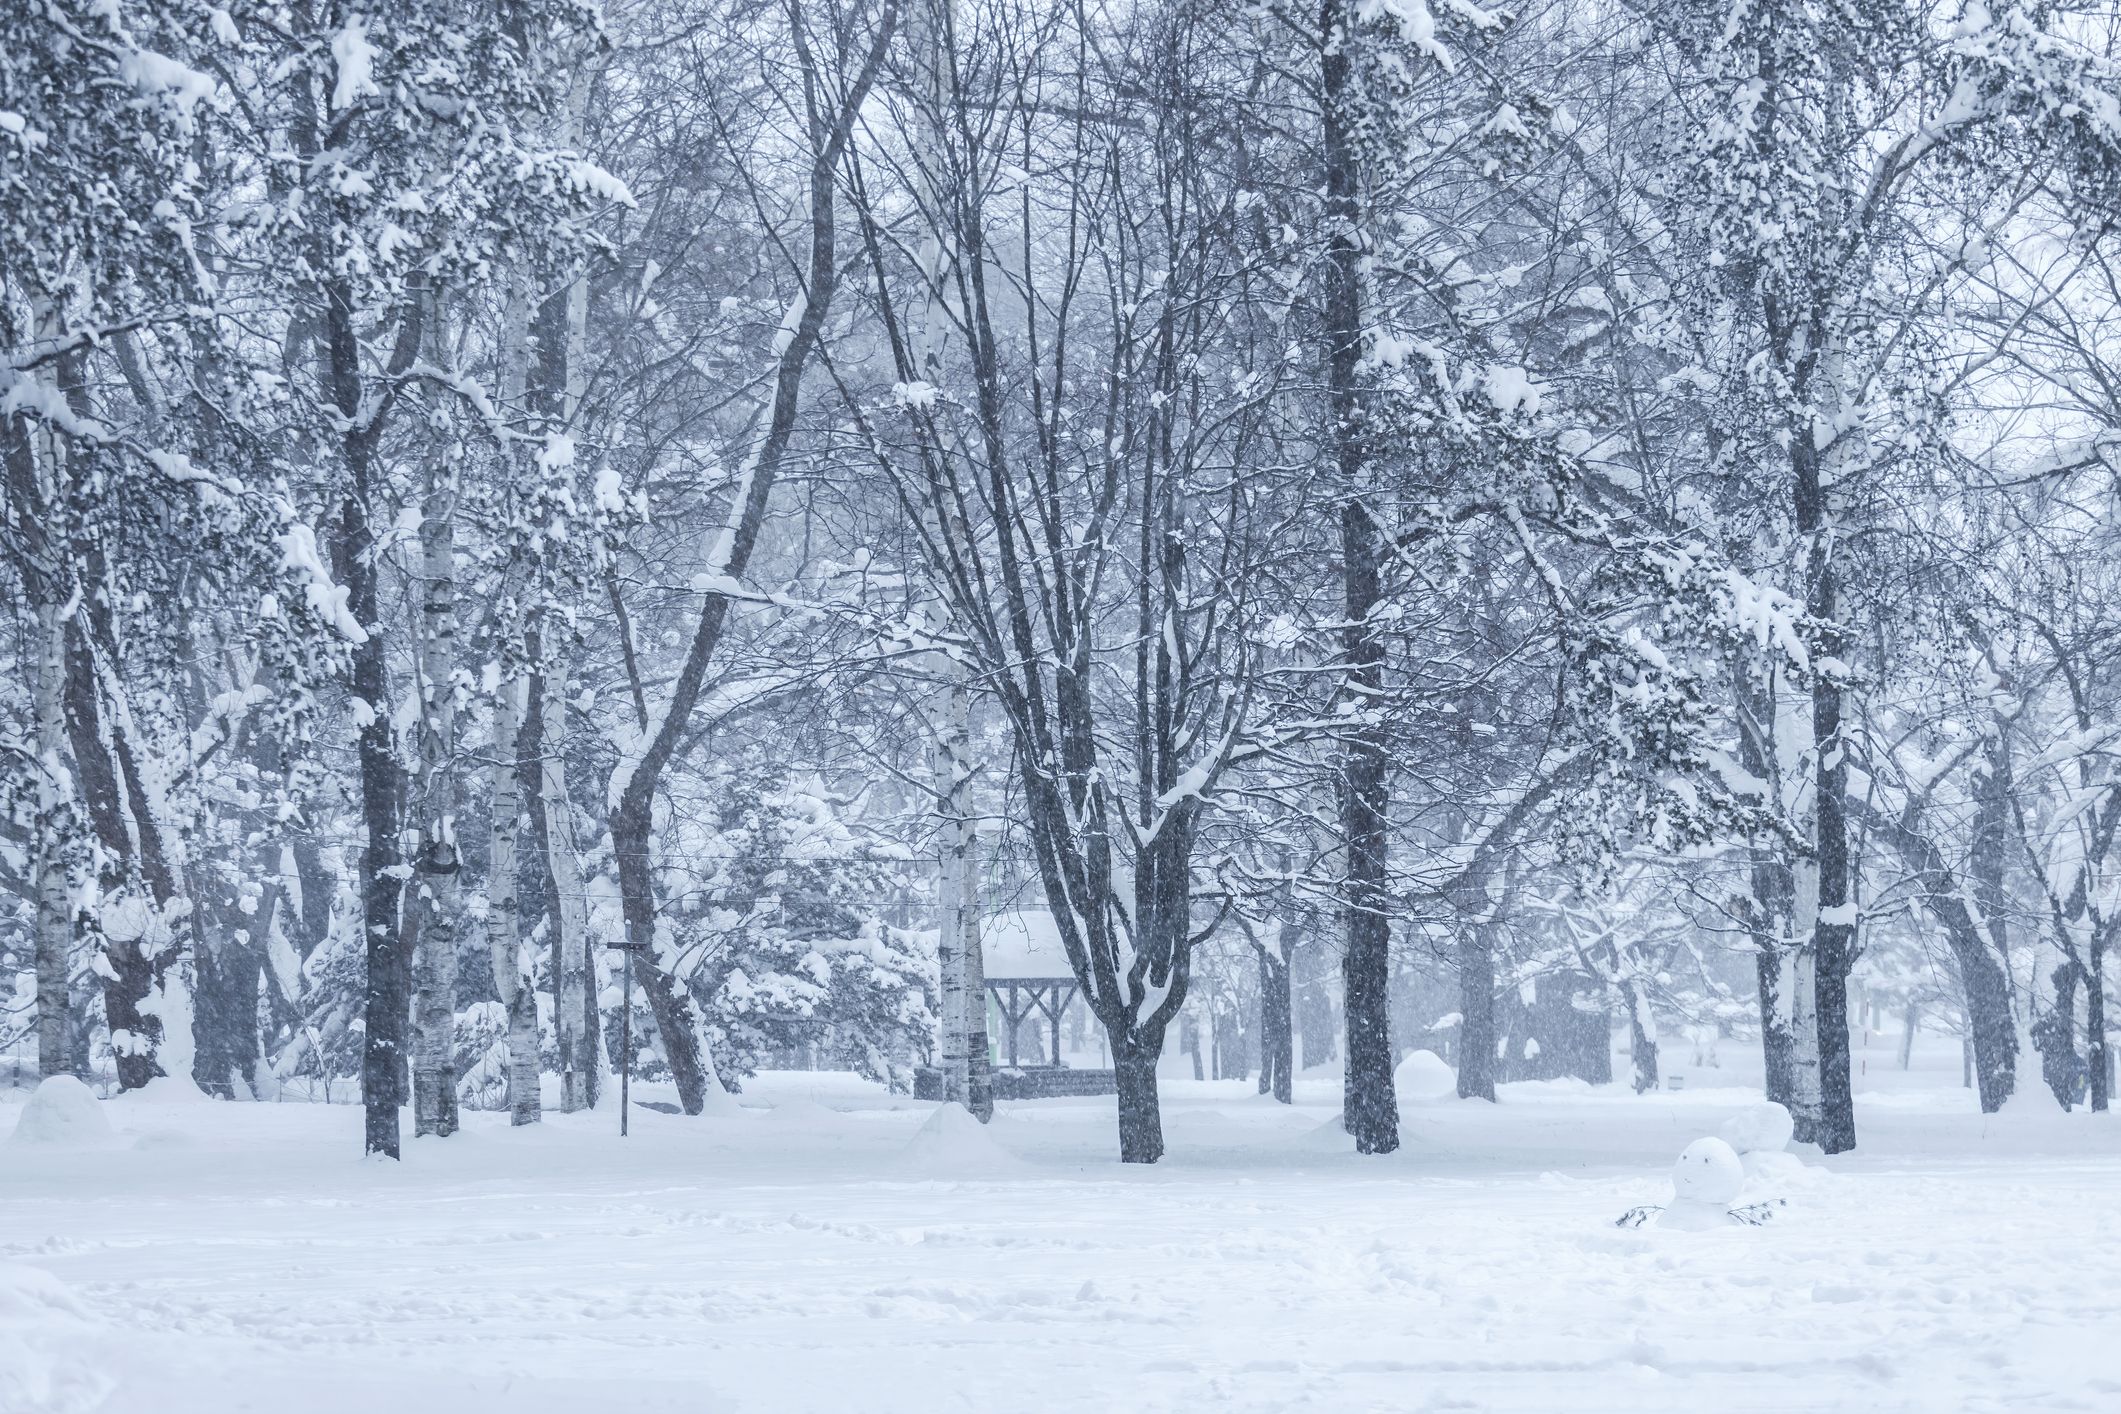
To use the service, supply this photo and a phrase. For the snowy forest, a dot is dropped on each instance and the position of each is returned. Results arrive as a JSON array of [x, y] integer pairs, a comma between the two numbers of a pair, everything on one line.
[[1348, 570]]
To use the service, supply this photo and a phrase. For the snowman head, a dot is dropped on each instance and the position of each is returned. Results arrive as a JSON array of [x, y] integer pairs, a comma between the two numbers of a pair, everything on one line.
[[1708, 1172]]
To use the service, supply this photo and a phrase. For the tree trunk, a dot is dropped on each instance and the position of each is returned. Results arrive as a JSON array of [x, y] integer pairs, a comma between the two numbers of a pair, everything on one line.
[[434, 1072], [1371, 1110], [979, 1066], [1476, 1006], [1992, 1034], [951, 879], [129, 964], [574, 990], [56, 829], [1909, 1022], [32, 466], [1312, 1001], [1642, 1040], [2095, 1025], [503, 910], [1277, 1041], [226, 971], [1824, 971], [1141, 1124], [1768, 923], [354, 565]]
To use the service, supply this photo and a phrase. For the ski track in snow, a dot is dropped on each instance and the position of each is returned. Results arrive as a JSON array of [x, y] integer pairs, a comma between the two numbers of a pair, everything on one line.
[[240, 1259]]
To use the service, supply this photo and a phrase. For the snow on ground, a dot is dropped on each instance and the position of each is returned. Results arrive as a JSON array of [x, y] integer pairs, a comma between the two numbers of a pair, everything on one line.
[[239, 1257]]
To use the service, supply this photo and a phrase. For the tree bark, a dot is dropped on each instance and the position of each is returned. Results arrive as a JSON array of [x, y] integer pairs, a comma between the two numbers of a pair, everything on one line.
[[2095, 1048], [1372, 1110], [434, 1075], [1993, 1035], [1642, 1040], [1277, 1050], [1476, 1006], [576, 1021], [55, 824], [979, 1066], [1141, 1123], [503, 909], [354, 555]]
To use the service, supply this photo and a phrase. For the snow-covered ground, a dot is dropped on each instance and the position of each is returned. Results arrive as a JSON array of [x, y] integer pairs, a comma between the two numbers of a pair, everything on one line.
[[815, 1256]]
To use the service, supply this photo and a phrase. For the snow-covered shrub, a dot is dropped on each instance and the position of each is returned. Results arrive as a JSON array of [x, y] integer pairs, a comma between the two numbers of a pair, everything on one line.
[[782, 932]]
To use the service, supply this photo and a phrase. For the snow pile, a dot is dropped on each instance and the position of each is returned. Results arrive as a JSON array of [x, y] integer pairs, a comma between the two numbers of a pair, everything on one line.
[[717, 1100], [1424, 1076], [953, 1144], [1705, 1182], [1762, 1128], [63, 1112], [1761, 1134], [52, 1355]]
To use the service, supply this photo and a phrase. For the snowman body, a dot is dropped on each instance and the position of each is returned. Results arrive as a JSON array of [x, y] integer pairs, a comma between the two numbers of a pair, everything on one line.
[[1705, 1182]]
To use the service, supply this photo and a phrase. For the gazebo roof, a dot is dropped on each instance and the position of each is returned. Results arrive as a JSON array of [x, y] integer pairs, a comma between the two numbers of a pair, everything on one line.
[[1023, 945]]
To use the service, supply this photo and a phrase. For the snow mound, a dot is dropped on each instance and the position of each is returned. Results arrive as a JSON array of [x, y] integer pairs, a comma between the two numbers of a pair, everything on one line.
[[1770, 1171], [953, 1144], [63, 1112], [54, 1357], [1764, 1128], [717, 1100], [1708, 1171], [1424, 1076]]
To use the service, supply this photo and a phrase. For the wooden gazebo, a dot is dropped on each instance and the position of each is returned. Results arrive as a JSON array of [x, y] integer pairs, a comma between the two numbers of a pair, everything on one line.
[[1027, 974]]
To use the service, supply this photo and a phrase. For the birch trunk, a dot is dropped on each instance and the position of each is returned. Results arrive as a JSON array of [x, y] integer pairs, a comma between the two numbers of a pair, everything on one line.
[[575, 995], [979, 1070], [434, 1086], [503, 914], [949, 925], [32, 469], [55, 922]]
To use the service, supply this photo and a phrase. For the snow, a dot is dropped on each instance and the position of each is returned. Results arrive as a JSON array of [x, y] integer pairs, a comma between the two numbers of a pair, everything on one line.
[[355, 59], [1764, 1128], [1954, 1262], [1423, 1076], [953, 1145], [62, 1111], [327, 600], [51, 1350]]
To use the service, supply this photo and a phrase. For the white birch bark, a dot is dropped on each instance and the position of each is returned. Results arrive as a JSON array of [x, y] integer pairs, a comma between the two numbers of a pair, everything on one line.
[[1801, 971], [55, 783], [434, 1087], [979, 1080], [511, 979], [55, 932], [503, 912], [949, 921]]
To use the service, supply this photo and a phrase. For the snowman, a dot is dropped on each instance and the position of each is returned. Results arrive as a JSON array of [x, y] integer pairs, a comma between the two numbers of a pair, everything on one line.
[[1705, 1182]]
